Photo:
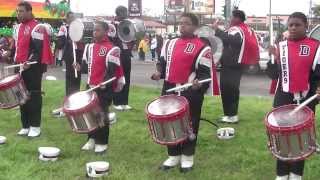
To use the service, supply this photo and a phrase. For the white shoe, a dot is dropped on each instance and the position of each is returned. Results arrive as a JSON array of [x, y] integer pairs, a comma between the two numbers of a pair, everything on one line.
[[293, 176], [286, 177], [56, 111], [99, 148], [59, 115], [34, 132], [119, 107], [126, 107], [230, 119], [112, 118], [186, 161], [89, 145], [23, 132], [172, 161]]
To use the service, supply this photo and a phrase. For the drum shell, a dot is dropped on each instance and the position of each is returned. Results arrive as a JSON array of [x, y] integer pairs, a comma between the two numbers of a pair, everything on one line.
[[86, 119], [170, 129], [292, 143], [13, 93]]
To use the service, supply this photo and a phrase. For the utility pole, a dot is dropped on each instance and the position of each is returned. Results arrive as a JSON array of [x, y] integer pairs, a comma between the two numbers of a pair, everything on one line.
[[228, 9]]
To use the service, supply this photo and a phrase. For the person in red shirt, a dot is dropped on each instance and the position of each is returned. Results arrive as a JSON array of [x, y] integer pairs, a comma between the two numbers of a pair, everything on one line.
[[298, 74], [103, 60], [183, 60], [32, 44]]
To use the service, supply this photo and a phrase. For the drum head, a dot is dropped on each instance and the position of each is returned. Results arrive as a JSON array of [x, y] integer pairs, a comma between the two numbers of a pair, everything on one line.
[[76, 30], [166, 105], [280, 117], [78, 101]]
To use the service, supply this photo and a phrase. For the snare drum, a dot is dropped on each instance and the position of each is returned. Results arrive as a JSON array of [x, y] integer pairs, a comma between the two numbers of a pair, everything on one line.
[[12, 91], [169, 119], [291, 138], [83, 112]]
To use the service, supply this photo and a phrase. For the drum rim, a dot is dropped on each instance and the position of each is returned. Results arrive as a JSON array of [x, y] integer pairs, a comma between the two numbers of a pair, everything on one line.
[[180, 140], [293, 159], [169, 117], [308, 123], [67, 111], [10, 84]]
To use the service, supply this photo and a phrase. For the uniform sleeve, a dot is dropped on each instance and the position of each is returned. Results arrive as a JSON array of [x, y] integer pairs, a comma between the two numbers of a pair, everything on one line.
[[84, 63], [41, 47], [114, 69], [232, 38], [61, 38], [316, 66], [205, 69], [161, 64]]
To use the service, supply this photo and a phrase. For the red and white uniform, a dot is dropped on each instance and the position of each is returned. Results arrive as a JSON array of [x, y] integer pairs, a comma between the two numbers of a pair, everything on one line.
[[103, 58], [184, 57], [297, 60], [249, 53], [32, 42]]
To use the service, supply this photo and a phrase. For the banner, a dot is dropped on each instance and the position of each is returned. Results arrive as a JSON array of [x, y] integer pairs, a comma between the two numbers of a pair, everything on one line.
[[201, 6], [174, 6], [40, 8], [134, 8]]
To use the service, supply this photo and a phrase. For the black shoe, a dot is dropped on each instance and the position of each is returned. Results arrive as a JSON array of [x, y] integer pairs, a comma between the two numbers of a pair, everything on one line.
[[185, 170], [165, 168]]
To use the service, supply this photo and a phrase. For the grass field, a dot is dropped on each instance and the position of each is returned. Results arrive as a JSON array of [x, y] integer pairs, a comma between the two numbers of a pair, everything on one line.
[[132, 153]]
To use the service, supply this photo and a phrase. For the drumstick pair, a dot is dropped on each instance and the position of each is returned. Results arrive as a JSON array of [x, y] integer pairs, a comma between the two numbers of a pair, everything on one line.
[[187, 85], [19, 65]]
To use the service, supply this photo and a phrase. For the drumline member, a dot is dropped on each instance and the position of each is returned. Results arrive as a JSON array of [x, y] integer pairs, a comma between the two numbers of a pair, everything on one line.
[[186, 59], [240, 49], [32, 44], [103, 61], [121, 99], [65, 44], [297, 71]]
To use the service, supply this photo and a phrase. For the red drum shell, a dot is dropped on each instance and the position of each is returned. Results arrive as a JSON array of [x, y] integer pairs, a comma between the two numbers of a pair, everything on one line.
[[180, 116], [293, 142], [9, 81]]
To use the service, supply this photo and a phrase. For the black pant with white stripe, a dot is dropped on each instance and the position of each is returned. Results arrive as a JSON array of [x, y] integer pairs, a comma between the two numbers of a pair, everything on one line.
[[195, 99], [31, 110], [101, 135], [229, 85]]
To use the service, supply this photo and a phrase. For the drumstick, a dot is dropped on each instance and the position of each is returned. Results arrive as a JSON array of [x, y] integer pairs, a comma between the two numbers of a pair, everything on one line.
[[298, 108], [271, 32], [74, 59], [187, 85], [21, 64], [101, 84]]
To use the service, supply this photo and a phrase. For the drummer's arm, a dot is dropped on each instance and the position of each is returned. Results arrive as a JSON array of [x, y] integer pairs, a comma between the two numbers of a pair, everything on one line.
[[203, 70], [36, 49], [114, 69]]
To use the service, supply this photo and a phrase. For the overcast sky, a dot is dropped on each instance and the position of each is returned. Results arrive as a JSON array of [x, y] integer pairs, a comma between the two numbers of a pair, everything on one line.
[[155, 7]]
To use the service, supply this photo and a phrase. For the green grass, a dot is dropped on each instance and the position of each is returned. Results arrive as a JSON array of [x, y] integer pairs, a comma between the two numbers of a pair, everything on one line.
[[132, 153]]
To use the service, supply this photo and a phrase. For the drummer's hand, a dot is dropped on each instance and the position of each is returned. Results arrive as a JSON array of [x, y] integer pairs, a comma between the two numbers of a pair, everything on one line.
[[318, 92], [76, 66], [195, 84], [25, 65], [272, 50], [119, 87], [215, 24], [156, 76]]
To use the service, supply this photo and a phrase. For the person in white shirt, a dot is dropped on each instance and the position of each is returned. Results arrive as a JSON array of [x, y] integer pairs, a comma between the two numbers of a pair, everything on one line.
[[153, 47]]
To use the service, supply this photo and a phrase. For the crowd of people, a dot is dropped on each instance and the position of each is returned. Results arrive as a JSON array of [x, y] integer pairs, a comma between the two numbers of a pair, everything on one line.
[[181, 60]]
